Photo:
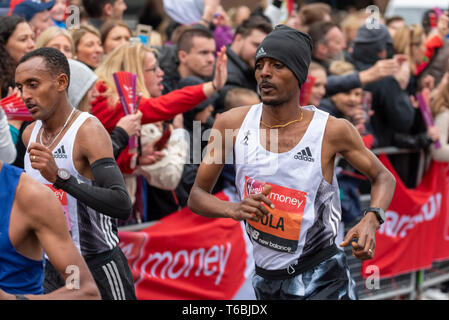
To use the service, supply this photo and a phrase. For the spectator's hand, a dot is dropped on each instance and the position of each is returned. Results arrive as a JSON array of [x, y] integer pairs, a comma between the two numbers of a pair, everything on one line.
[[13, 91], [210, 8], [178, 121], [403, 75], [131, 123], [221, 69], [149, 155], [381, 69], [220, 17], [415, 102], [428, 82], [434, 133], [359, 118]]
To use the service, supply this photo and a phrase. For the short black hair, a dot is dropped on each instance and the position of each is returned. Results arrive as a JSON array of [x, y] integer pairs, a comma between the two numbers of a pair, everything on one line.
[[55, 61], [255, 22], [94, 8]]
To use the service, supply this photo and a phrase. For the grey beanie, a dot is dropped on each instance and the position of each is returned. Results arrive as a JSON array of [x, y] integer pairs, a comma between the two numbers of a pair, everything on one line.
[[289, 46], [81, 80], [379, 37]]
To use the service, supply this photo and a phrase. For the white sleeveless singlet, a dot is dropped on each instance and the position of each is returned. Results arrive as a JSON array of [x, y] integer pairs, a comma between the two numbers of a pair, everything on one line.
[[92, 232], [307, 208]]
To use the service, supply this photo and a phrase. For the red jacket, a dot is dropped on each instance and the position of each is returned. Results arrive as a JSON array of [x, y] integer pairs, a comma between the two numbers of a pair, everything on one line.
[[161, 108]]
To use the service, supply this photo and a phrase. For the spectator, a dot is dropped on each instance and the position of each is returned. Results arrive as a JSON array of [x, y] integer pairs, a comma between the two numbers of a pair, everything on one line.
[[55, 37], [36, 13], [114, 33], [328, 42], [152, 14], [312, 13], [142, 62], [393, 110], [81, 94], [237, 15], [99, 11], [195, 57], [16, 39], [350, 25], [238, 97], [7, 149], [57, 13], [241, 54], [88, 49], [394, 23], [318, 90], [440, 112]]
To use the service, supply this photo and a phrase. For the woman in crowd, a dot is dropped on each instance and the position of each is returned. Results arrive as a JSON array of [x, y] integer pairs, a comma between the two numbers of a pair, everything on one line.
[[16, 39], [142, 61], [55, 37], [318, 90], [440, 112], [113, 34], [88, 48]]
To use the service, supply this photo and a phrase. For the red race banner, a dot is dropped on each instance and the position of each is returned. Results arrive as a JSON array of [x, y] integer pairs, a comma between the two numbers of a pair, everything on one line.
[[186, 256], [416, 231]]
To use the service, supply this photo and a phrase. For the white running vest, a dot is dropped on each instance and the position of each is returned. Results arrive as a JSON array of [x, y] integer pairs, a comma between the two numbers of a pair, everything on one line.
[[307, 208], [92, 232]]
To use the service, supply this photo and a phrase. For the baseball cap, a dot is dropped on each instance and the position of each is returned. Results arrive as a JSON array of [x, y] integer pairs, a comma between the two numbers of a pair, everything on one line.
[[29, 8]]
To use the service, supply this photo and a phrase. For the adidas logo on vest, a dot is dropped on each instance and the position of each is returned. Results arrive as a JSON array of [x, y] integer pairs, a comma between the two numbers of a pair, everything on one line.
[[305, 155], [60, 153]]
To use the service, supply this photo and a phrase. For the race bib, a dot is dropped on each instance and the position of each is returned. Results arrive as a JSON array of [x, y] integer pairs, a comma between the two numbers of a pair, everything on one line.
[[279, 230], [62, 197]]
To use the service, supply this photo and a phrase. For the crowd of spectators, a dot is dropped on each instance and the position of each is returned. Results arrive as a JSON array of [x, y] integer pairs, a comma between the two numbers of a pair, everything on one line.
[[369, 76]]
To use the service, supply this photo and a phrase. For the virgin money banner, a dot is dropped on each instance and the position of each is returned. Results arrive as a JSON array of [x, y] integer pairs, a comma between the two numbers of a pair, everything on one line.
[[415, 232], [186, 256]]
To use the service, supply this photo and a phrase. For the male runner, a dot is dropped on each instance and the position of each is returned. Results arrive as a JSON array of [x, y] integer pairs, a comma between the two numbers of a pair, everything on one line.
[[290, 200], [71, 152], [32, 220]]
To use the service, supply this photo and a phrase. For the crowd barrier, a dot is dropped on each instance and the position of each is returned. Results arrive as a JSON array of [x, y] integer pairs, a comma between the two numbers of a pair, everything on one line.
[[162, 253]]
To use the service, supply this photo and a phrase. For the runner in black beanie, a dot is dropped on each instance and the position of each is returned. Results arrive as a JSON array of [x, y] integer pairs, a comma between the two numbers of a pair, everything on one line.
[[289, 46]]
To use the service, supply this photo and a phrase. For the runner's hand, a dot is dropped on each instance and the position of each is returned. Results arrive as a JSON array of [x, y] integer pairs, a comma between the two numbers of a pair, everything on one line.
[[252, 207], [42, 159], [365, 232]]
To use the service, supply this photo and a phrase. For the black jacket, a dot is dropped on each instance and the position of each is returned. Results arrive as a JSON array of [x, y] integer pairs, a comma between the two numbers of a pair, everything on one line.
[[239, 75]]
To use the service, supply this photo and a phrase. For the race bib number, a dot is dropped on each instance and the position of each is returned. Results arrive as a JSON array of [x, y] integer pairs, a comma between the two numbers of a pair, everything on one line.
[[279, 230], [62, 197]]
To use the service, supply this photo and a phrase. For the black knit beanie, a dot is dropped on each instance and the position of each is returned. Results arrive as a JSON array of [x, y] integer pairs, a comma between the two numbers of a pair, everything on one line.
[[289, 46]]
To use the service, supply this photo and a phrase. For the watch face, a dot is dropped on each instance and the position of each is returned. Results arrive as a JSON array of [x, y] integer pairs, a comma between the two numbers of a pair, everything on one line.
[[63, 174]]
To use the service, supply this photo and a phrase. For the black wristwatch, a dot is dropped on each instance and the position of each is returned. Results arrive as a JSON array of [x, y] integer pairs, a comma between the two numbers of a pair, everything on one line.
[[379, 212], [63, 176]]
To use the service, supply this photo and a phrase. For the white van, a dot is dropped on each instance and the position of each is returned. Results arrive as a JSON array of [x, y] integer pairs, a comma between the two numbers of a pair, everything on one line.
[[413, 10]]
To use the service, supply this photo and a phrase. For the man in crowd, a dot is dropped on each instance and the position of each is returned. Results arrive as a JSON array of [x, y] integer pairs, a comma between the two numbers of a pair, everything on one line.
[[99, 11]]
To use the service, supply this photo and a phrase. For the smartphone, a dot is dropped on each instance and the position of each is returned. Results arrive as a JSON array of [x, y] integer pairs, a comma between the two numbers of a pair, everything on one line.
[[144, 33], [159, 145]]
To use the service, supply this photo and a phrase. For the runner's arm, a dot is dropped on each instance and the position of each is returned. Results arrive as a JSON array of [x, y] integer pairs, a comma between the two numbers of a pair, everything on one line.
[[201, 201], [46, 220]]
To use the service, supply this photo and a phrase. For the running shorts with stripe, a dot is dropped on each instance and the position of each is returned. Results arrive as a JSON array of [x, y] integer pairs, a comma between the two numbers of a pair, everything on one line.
[[111, 273]]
